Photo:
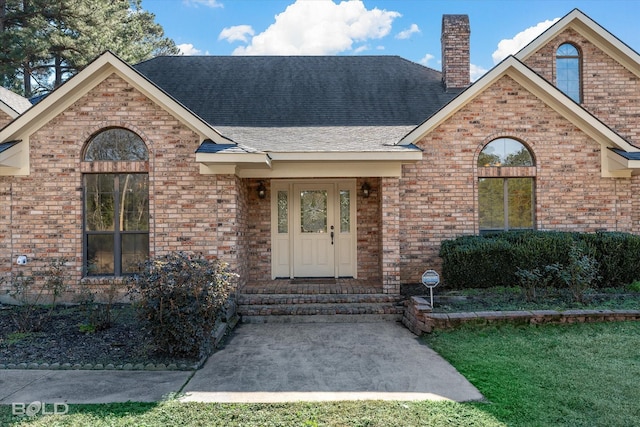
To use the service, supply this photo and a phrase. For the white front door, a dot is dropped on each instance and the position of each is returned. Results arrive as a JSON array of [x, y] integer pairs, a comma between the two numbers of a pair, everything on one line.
[[314, 230]]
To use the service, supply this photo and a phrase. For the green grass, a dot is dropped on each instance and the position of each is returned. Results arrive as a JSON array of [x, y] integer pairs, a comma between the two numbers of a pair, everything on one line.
[[173, 413], [550, 375]]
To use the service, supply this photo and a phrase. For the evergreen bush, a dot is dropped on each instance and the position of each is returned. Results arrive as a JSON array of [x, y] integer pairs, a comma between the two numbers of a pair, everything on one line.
[[495, 259]]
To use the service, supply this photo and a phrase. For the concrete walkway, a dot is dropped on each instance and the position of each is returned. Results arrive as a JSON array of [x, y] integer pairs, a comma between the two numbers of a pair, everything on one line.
[[269, 363], [326, 361]]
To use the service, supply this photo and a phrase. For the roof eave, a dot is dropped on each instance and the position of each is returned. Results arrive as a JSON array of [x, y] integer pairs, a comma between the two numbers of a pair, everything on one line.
[[591, 30], [298, 165], [14, 160], [410, 155], [94, 73]]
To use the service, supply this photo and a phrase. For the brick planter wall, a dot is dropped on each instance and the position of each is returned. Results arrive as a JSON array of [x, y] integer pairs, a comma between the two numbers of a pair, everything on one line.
[[419, 318]]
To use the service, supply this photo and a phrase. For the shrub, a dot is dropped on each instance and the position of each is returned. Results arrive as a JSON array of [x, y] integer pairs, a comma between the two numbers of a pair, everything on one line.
[[578, 275], [29, 316], [494, 260], [481, 261], [180, 297], [99, 315]]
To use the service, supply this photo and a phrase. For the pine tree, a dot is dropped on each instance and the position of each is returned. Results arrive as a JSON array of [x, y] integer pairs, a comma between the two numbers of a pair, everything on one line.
[[44, 42]]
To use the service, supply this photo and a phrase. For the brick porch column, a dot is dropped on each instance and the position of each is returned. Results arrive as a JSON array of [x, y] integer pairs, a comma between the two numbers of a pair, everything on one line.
[[390, 210], [226, 242]]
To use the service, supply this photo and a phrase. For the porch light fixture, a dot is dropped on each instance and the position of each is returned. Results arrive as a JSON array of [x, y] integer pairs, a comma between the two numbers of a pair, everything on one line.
[[366, 189], [262, 190]]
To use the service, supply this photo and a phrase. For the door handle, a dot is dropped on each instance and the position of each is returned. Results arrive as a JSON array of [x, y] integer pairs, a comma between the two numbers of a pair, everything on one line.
[[332, 234]]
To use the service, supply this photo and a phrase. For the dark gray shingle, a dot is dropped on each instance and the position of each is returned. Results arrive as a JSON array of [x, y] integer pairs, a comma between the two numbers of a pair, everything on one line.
[[293, 91]]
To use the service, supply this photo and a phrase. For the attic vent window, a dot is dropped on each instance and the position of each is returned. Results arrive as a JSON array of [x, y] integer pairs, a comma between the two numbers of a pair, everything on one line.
[[568, 71]]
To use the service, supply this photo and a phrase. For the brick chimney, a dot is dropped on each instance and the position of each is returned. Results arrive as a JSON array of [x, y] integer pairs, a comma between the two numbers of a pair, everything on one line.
[[455, 40]]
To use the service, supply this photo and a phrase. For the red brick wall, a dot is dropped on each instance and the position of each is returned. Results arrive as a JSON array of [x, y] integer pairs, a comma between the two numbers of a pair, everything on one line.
[[259, 231], [5, 227], [369, 230], [439, 194], [610, 91], [189, 211]]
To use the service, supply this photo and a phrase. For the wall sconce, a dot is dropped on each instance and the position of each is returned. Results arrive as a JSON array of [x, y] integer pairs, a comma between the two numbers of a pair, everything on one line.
[[366, 189], [262, 190]]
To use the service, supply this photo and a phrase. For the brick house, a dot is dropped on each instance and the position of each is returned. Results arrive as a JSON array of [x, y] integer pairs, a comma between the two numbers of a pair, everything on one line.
[[350, 169]]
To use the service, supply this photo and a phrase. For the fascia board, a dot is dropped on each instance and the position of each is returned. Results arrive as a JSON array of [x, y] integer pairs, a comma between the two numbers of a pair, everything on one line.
[[96, 72], [406, 156], [563, 105], [345, 169], [8, 110], [549, 34], [540, 88], [593, 32], [234, 158], [457, 103]]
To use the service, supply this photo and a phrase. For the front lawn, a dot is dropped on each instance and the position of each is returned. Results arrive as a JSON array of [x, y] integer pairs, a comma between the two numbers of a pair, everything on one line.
[[550, 375]]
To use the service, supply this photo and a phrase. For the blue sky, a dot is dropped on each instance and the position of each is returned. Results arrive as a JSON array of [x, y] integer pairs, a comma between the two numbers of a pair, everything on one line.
[[408, 28]]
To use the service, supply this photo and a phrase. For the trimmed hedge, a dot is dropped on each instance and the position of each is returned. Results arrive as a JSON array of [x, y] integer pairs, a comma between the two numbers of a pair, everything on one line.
[[492, 260]]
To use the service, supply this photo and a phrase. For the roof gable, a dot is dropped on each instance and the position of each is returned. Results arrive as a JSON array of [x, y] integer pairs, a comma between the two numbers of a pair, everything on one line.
[[542, 89], [593, 32], [294, 91], [94, 73]]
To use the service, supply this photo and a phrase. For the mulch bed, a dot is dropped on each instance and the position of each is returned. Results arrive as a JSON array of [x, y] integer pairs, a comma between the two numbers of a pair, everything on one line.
[[66, 338]]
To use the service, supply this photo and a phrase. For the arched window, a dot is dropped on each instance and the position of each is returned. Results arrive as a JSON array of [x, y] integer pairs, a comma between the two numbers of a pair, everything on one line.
[[568, 71], [505, 203], [116, 205], [116, 144]]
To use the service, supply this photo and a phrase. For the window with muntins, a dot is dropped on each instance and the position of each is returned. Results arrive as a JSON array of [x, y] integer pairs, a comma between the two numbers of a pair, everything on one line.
[[505, 203], [568, 71], [116, 206]]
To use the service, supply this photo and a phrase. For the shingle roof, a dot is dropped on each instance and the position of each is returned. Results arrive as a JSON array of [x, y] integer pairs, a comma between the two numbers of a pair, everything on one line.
[[320, 138], [16, 102], [294, 91]]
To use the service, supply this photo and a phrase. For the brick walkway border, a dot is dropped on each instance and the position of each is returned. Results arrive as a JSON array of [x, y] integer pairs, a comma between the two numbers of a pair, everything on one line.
[[419, 318]]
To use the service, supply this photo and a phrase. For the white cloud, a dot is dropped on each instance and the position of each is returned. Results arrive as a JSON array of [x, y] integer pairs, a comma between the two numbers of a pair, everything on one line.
[[476, 72], [188, 49], [236, 33], [320, 27], [508, 47], [208, 3], [425, 59], [408, 32]]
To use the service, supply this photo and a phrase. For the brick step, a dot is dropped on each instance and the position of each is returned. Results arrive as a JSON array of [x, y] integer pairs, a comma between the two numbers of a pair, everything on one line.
[[269, 299], [321, 312]]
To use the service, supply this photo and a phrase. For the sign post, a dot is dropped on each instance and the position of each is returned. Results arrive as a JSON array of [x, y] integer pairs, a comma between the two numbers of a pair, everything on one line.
[[430, 279]]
